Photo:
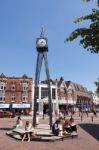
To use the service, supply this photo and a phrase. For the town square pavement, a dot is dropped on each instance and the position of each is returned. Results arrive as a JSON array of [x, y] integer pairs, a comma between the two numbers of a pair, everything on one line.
[[88, 136]]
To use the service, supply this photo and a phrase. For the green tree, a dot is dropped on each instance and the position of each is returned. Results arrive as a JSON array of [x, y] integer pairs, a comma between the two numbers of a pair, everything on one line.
[[91, 0], [97, 86], [89, 35]]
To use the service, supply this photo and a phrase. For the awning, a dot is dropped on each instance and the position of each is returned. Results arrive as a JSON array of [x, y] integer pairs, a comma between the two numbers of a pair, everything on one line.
[[26, 105], [4, 106]]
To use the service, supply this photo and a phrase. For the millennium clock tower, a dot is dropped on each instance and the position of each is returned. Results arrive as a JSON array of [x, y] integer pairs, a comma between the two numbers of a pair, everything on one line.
[[42, 49]]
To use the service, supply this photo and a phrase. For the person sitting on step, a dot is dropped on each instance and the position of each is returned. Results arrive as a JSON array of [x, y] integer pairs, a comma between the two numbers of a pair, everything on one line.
[[29, 131]]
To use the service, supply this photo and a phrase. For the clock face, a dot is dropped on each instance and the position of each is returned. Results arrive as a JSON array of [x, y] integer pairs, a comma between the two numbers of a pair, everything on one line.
[[41, 42]]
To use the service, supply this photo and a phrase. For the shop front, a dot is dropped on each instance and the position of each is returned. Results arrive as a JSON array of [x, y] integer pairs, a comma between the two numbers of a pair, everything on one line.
[[43, 106], [4, 107], [21, 108]]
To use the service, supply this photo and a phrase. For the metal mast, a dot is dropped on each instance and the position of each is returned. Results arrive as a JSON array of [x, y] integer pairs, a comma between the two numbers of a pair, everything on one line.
[[42, 50]]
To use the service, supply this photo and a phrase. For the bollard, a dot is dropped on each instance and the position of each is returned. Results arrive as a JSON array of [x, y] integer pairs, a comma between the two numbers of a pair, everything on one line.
[[81, 118], [92, 118]]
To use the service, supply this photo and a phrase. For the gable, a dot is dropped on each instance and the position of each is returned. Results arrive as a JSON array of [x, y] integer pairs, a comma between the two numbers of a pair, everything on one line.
[[63, 86]]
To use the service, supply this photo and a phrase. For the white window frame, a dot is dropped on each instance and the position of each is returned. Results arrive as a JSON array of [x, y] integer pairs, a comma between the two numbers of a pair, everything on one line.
[[2, 96], [13, 97], [2, 86], [25, 97], [13, 86], [24, 86]]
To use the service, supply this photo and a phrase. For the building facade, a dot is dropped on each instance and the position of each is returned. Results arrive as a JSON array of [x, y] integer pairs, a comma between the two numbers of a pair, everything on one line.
[[73, 94], [42, 96], [16, 94], [64, 94]]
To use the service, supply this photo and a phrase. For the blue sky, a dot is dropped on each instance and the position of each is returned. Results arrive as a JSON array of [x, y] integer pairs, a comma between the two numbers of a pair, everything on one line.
[[20, 25]]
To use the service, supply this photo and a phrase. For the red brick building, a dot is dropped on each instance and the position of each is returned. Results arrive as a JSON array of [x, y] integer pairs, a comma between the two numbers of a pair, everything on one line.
[[16, 93], [71, 93]]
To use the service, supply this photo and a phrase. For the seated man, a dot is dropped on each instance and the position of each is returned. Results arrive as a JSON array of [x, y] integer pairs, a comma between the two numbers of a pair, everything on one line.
[[67, 126], [73, 125]]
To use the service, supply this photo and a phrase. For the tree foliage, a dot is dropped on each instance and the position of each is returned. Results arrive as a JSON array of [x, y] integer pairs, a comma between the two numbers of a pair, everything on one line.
[[89, 35], [91, 0], [97, 86]]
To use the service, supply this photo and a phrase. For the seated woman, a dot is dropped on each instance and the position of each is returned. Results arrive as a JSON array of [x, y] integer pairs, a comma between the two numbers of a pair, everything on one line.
[[30, 130], [73, 125], [55, 128], [19, 122]]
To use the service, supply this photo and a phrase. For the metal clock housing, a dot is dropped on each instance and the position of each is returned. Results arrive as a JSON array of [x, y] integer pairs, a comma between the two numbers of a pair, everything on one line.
[[42, 44]]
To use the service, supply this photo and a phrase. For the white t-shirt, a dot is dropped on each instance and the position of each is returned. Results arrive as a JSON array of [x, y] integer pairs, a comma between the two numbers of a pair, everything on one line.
[[19, 123], [29, 127]]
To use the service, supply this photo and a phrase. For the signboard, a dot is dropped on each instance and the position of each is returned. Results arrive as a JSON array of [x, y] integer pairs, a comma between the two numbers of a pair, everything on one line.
[[70, 101], [62, 101], [4, 105], [20, 105], [78, 105]]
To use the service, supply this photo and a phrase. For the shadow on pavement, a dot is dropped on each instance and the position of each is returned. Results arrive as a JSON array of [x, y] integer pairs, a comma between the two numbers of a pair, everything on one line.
[[7, 129], [92, 129]]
